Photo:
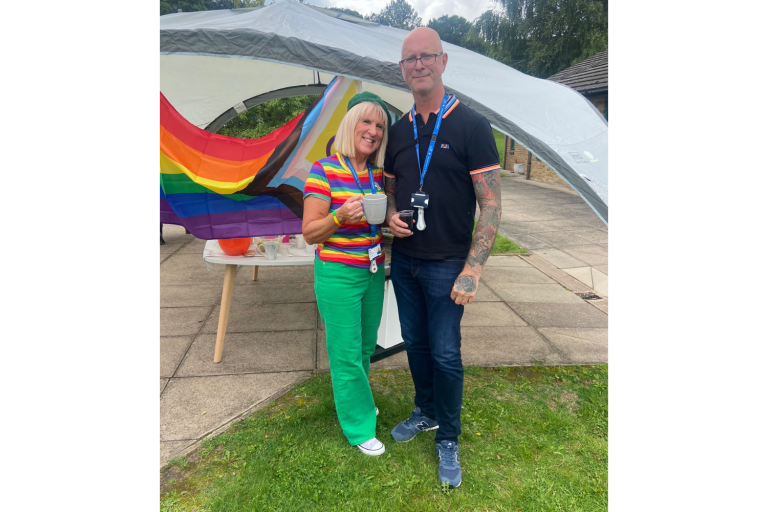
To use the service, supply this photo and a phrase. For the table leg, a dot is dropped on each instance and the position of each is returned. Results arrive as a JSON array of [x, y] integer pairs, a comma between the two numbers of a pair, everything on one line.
[[255, 272], [226, 301]]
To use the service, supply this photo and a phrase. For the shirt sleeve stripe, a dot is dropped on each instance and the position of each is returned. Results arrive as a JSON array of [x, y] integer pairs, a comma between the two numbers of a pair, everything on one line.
[[388, 175], [485, 169]]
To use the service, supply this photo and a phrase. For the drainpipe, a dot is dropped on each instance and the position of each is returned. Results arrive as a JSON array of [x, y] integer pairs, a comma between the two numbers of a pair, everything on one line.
[[528, 170], [504, 161]]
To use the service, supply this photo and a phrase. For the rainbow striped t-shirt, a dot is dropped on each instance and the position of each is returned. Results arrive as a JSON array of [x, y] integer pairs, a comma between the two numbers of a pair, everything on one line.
[[329, 179]]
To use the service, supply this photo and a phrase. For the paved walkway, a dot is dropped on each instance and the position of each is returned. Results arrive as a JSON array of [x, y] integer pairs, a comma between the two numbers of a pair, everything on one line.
[[526, 312]]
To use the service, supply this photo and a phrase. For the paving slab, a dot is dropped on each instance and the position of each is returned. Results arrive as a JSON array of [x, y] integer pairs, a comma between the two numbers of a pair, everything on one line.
[[581, 346], [559, 258], [252, 352], [182, 269], [524, 292], [173, 234], [592, 235], [526, 241], [182, 321], [583, 274], [192, 407], [170, 449], [602, 305], [490, 314], [589, 254], [502, 346], [580, 315], [172, 350], [272, 292], [168, 249], [591, 219], [193, 246], [602, 268], [265, 317], [163, 382], [559, 238], [555, 273], [521, 228], [600, 282], [512, 275], [485, 294], [505, 261], [187, 295]]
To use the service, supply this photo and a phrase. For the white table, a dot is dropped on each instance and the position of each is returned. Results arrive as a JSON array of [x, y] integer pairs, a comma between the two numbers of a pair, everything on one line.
[[389, 337], [211, 255]]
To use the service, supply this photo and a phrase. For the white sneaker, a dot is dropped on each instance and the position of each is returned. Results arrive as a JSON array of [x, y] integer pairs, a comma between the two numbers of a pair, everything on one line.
[[372, 447], [377, 411]]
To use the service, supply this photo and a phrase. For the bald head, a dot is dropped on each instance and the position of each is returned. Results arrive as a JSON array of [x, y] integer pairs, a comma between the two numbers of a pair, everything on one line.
[[424, 78], [422, 36]]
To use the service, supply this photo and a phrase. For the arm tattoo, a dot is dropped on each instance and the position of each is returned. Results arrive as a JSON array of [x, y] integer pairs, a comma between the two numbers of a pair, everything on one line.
[[488, 194], [466, 283], [389, 188]]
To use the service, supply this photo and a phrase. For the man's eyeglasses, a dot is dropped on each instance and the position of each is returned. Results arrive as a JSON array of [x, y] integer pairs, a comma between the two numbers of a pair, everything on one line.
[[426, 60]]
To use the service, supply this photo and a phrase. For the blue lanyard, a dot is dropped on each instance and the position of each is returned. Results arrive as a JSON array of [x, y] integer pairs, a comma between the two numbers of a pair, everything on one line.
[[373, 191], [431, 142]]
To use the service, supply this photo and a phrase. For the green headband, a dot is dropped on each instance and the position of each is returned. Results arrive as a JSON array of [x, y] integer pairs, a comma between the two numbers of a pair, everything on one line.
[[369, 96]]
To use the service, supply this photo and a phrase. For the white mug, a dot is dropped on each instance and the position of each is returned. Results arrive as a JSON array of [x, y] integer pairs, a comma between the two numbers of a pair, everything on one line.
[[270, 248]]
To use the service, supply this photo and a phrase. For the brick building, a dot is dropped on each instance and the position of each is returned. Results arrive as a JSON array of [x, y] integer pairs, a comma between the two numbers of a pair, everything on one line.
[[590, 78]]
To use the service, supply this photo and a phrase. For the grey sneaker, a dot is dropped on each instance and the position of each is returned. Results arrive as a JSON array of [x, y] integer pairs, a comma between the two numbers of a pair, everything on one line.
[[407, 430], [448, 469]]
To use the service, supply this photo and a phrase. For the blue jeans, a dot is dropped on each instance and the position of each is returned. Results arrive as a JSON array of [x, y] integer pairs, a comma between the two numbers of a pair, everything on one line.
[[429, 322]]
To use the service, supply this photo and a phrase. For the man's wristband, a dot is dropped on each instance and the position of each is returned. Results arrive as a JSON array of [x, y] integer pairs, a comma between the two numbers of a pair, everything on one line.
[[335, 219]]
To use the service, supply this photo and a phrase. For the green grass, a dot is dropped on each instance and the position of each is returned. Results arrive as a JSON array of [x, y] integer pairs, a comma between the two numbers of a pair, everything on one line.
[[534, 439], [499, 144], [503, 245]]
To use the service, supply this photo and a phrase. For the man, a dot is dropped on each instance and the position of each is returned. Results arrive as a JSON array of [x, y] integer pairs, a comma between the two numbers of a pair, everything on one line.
[[435, 270]]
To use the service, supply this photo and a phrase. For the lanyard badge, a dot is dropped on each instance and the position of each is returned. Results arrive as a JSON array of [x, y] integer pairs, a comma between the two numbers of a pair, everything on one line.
[[420, 200]]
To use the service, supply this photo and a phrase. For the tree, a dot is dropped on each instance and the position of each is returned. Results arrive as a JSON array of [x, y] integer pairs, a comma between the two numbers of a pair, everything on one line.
[[265, 118], [172, 6], [542, 37], [459, 31], [452, 29], [398, 14]]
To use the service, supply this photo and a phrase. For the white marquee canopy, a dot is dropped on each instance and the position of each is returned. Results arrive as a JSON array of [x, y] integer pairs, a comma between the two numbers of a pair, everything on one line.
[[216, 64]]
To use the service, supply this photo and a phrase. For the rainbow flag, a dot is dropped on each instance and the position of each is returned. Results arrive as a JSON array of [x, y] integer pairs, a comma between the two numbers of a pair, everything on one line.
[[222, 187]]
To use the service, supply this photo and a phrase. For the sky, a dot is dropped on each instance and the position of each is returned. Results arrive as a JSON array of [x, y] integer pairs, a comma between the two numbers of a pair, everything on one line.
[[469, 9]]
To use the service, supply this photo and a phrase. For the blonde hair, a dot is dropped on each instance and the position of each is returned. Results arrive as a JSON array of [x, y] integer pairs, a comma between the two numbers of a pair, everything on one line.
[[345, 135]]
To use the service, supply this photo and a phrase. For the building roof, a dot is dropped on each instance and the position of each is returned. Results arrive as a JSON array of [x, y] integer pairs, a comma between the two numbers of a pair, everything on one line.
[[588, 76]]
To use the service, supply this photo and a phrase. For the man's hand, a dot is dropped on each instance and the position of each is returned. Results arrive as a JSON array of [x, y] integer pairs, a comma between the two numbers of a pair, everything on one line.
[[399, 228], [465, 288]]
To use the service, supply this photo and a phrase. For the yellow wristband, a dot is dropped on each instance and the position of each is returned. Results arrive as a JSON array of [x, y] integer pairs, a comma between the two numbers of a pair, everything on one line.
[[333, 213]]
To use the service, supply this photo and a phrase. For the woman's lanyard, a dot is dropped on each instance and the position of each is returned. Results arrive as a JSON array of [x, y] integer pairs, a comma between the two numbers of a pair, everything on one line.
[[431, 142], [373, 191]]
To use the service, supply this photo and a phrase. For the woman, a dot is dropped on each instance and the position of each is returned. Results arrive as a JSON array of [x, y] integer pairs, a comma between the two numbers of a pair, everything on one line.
[[349, 262]]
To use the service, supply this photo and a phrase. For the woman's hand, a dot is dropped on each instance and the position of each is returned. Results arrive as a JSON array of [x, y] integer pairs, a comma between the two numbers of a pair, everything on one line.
[[351, 210]]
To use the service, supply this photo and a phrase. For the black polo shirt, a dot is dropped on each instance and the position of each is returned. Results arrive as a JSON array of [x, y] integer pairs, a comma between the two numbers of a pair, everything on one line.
[[465, 146]]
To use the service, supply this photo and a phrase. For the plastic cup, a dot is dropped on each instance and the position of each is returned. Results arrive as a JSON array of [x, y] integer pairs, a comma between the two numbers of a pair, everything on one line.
[[375, 208], [407, 217]]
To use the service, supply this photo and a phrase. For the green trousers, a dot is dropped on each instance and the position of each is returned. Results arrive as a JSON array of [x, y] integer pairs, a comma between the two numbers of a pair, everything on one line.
[[350, 301]]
